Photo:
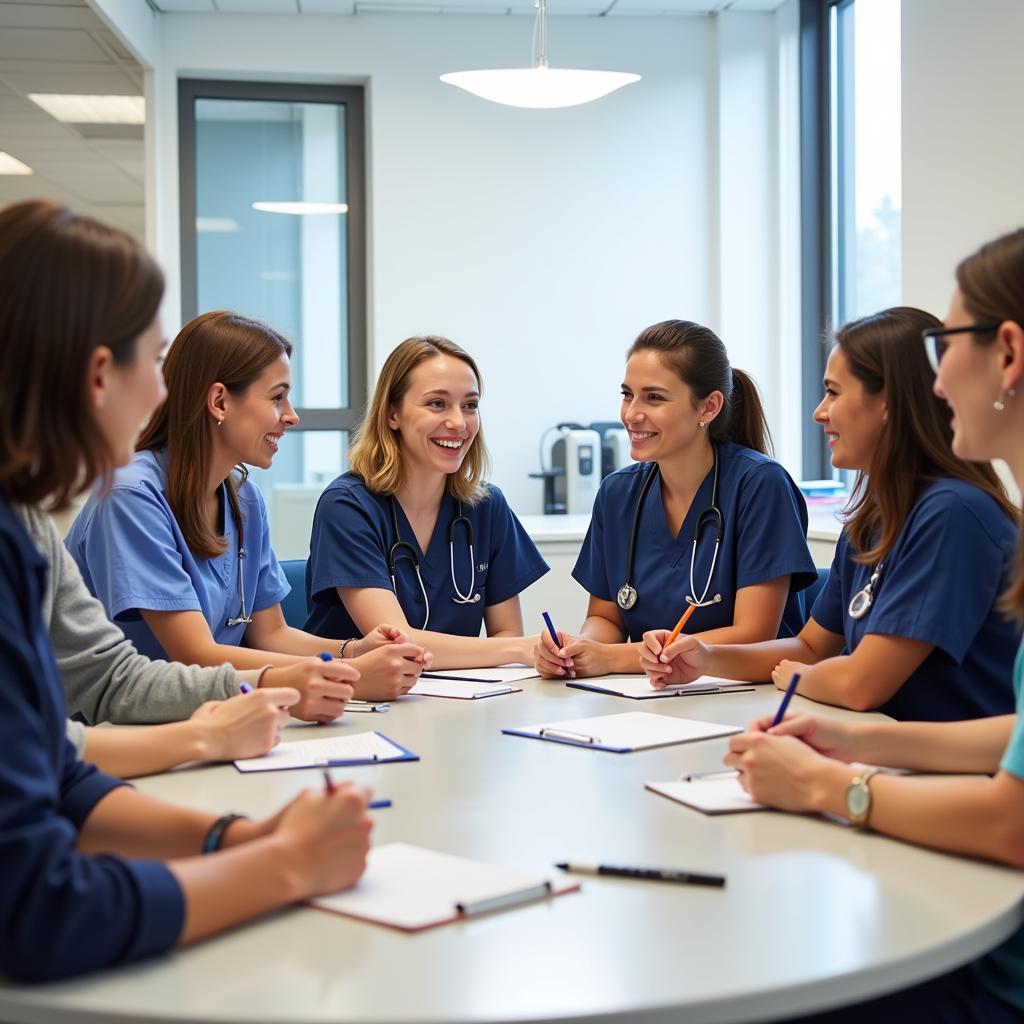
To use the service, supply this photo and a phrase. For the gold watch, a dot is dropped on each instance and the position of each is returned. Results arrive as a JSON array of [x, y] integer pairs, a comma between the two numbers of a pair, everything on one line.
[[858, 797]]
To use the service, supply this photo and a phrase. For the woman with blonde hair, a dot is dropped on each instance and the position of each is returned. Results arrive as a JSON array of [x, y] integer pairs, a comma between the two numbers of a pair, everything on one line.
[[178, 549], [412, 534]]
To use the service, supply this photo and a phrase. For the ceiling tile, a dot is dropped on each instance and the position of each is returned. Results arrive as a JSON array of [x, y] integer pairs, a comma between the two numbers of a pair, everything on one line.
[[327, 6], [257, 6], [184, 6], [50, 44]]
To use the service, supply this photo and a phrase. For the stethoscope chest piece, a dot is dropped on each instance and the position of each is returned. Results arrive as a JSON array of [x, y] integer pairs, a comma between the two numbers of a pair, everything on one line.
[[864, 598], [626, 597]]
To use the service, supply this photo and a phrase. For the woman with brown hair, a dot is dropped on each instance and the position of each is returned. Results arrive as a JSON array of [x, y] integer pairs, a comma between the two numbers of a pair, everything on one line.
[[178, 549], [806, 762], [908, 622], [413, 534], [95, 873], [705, 521]]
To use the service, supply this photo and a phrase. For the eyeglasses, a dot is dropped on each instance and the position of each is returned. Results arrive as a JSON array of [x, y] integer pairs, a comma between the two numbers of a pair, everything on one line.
[[935, 343]]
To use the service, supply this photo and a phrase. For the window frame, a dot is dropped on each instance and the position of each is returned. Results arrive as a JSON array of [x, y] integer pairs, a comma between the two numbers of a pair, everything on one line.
[[343, 418]]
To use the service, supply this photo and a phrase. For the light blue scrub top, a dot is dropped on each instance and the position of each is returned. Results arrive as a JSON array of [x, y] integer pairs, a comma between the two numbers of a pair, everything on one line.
[[939, 584], [764, 536], [353, 533], [133, 556], [1002, 970]]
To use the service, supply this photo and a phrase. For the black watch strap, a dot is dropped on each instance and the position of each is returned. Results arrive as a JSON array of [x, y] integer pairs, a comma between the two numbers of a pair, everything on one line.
[[216, 834]]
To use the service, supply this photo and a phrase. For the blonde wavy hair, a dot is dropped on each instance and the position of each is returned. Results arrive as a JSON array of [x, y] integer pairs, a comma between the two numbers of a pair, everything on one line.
[[376, 452]]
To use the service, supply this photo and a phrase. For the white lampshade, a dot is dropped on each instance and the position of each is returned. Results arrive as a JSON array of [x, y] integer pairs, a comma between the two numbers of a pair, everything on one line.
[[540, 87]]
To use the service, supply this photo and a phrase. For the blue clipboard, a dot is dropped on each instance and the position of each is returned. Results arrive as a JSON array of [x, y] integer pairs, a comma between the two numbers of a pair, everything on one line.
[[340, 762], [553, 736], [697, 691]]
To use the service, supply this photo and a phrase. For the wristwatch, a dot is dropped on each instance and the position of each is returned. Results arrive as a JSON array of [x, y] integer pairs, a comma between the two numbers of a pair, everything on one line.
[[858, 797]]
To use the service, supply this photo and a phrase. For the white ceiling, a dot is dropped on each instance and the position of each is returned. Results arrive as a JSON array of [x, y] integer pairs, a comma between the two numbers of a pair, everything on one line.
[[62, 46], [555, 7]]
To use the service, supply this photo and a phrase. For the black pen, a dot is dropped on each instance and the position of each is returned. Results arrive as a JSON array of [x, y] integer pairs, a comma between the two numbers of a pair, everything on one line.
[[646, 874]]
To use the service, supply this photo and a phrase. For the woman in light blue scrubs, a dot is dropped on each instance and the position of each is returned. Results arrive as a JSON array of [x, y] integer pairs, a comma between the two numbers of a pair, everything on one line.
[[705, 517], [413, 534], [178, 550], [805, 763], [908, 622]]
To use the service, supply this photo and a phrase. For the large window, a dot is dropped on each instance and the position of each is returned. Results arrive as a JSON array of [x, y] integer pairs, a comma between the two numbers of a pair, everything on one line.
[[850, 125], [272, 202]]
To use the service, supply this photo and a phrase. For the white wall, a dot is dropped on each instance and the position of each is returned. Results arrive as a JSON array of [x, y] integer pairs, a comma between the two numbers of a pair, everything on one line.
[[540, 241], [963, 137]]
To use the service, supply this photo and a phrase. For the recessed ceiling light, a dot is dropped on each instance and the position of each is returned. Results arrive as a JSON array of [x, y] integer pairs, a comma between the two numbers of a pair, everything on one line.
[[92, 109], [8, 165], [301, 208]]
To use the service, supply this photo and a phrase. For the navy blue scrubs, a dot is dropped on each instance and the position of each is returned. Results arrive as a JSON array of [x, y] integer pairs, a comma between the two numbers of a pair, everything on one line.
[[764, 536], [353, 534]]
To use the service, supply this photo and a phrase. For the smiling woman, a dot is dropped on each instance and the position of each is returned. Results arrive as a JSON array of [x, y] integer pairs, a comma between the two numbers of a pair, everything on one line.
[[413, 533], [179, 550]]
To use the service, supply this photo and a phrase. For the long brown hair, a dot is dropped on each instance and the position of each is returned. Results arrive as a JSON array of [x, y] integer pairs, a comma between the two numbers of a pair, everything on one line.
[[991, 283], [214, 347], [885, 353], [69, 285], [376, 453], [699, 358]]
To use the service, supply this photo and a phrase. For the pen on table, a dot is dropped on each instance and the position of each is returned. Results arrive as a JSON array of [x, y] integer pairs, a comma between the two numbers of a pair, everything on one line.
[[646, 874], [683, 620], [786, 698], [554, 636], [373, 805]]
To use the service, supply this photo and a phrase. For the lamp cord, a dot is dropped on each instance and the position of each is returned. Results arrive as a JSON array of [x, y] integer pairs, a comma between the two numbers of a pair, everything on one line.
[[540, 35]]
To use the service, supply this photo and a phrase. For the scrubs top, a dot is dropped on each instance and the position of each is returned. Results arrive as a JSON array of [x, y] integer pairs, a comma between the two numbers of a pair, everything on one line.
[[133, 556], [61, 912], [1002, 970], [764, 536], [353, 535], [939, 584]]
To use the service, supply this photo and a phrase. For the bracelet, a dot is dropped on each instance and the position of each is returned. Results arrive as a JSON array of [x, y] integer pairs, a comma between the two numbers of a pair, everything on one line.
[[344, 644], [216, 834]]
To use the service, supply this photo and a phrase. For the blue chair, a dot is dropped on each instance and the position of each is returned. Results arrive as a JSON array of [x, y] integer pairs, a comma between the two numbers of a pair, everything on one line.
[[294, 606], [809, 594]]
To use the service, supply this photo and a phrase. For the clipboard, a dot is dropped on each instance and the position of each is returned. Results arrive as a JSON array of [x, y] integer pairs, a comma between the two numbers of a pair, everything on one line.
[[412, 888], [624, 733], [638, 688], [459, 688], [364, 748], [711, 793]]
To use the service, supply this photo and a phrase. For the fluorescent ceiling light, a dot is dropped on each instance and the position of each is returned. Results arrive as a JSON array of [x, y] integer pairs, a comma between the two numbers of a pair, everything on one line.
[[217, 225], [540, 87], [301, 209], [8, 165], [92, 109]]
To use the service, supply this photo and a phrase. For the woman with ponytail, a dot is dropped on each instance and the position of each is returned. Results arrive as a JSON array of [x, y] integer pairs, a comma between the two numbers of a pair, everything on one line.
[[704, 518]]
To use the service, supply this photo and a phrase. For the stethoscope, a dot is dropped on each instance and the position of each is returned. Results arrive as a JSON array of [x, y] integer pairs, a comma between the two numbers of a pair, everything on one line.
[[402, 548], [243, 618], [864, 598], [711, 516]]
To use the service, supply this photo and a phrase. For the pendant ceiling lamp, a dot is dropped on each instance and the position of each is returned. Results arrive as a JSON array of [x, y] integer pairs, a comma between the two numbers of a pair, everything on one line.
[[540, 86]]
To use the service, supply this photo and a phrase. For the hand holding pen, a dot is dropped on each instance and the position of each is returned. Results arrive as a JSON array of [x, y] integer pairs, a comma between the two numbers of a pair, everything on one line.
[[548, 656]]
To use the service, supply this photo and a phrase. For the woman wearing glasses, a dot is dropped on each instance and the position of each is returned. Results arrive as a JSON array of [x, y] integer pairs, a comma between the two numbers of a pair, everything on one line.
[[178, 550], [94, 872], [804, 764], [908, 621]]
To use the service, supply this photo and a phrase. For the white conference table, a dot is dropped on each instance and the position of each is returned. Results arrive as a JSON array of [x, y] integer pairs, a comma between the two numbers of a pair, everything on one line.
[[815, 914]]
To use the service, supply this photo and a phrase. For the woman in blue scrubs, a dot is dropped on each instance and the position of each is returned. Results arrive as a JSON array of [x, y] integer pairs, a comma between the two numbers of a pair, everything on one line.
[[94, 872], [805, 763], [908, 622], [704, 517], [413, 535], [178, 549]]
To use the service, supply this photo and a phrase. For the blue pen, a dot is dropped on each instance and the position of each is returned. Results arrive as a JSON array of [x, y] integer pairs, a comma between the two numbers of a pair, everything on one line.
[[378, 805], [326, 656], [245, 688], [554, 636], [786, 698]]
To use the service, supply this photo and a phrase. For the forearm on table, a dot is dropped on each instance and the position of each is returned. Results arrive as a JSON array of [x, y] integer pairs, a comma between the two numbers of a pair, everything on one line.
[[128, 752], [756, 661], [472, 651], [979, 817], [973, 746]]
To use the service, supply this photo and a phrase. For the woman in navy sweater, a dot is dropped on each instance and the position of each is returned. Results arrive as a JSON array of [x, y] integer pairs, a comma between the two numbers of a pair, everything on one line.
[[95, 873]]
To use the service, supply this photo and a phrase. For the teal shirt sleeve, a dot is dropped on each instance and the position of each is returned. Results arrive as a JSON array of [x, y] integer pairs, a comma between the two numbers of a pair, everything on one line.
[[1013, 756]]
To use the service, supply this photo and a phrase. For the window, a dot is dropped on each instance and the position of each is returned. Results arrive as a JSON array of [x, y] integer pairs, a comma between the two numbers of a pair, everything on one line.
[[850, 136], [300, 267]]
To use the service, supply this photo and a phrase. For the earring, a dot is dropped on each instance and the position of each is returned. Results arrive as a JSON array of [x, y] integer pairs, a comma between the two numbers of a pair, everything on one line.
[[220, 422], [702, 424]]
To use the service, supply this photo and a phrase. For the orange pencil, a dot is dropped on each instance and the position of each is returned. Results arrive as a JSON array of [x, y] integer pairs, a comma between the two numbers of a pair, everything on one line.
[[683, 619]]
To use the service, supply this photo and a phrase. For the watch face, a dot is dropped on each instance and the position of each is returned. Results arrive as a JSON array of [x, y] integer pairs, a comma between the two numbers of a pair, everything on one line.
[[858, 799]]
